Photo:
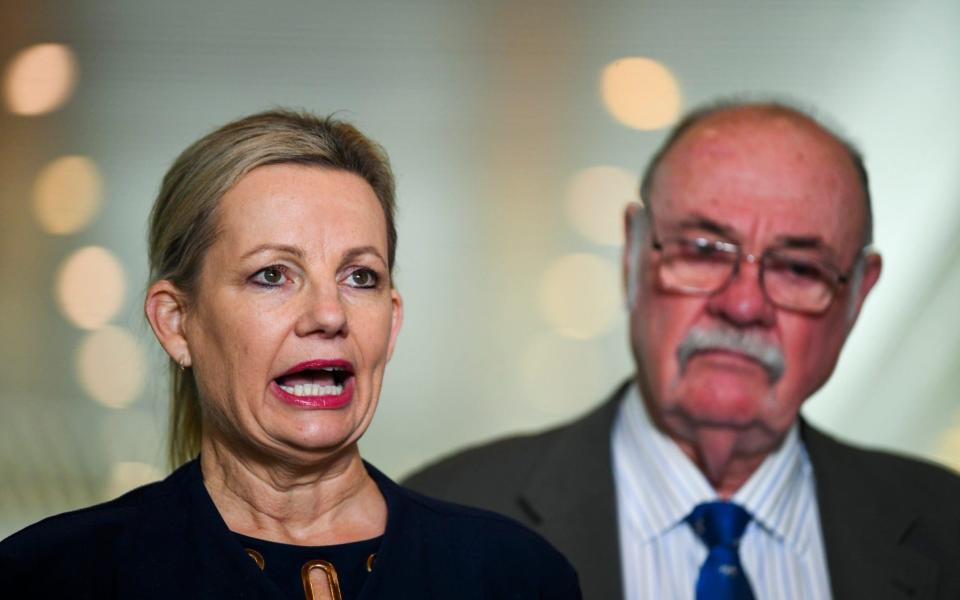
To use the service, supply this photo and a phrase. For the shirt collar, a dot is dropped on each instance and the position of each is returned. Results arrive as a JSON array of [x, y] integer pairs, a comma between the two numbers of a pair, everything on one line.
[[781, 490], [667, 485], [664, 482]]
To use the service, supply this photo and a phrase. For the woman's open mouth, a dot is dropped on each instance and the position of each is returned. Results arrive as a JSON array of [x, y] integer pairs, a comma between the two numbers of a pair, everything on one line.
[[316, 384]]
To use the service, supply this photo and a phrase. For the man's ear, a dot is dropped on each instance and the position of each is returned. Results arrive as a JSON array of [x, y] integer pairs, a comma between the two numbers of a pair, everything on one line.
[[165, 308], [631, 253], [872, 265]]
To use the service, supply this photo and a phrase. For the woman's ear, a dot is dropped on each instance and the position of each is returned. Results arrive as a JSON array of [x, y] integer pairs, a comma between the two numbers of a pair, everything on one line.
[[396, 320], [165, 308]]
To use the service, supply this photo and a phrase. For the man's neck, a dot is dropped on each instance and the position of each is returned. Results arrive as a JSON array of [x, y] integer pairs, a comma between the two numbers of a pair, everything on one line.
[[727, 456], [328, 502], [716, 454]]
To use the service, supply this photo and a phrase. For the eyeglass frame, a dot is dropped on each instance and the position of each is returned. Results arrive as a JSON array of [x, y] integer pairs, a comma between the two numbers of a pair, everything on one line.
[[839, 278]]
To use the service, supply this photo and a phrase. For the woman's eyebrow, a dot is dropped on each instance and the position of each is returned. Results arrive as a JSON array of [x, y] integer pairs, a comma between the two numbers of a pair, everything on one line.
[[294, 250], [299, 252], [360, 251]]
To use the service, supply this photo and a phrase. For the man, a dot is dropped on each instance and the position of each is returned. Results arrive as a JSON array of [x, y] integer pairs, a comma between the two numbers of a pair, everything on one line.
[[745, 272]]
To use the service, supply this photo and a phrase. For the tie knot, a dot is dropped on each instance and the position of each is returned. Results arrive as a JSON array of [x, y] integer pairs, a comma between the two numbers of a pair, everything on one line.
[[719, 523]]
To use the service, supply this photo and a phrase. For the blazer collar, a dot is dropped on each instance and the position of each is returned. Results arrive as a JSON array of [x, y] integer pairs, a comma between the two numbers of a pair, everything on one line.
[[570, 493], [863, 528]]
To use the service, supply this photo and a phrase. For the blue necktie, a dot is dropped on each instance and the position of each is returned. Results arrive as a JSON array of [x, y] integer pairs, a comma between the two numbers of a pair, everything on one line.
[[720, 525]]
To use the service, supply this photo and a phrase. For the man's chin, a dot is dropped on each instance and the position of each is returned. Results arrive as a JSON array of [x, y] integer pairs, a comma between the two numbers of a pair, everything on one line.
[[723, 391], [723, 364]]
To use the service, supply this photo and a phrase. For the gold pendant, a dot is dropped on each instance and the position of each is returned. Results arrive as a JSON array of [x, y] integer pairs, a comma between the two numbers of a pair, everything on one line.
[[256, 556], [320, 581]]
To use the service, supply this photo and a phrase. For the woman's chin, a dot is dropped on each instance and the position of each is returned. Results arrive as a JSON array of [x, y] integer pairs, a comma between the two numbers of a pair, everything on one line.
[[309, 441]]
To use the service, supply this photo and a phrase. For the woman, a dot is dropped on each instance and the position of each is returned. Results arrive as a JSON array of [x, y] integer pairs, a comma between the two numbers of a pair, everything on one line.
[[272, 243]]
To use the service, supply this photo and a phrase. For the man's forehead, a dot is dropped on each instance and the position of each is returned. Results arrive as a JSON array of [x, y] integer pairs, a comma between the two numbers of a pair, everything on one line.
[[755, 129], [763, 162]]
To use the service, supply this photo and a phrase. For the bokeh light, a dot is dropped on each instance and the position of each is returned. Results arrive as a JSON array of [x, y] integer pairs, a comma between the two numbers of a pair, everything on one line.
[[580, 295], [40, 79], [596, 198], [67, 194], [947, 449], [110, 366], [125, 476], [640, 93], [90, 287], [563, 376]]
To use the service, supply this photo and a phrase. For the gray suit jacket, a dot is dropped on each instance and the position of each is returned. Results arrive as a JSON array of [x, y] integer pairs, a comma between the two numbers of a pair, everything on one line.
[[891, 525]]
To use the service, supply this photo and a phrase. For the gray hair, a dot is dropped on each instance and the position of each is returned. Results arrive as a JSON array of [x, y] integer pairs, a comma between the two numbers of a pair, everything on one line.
[[746, 342]]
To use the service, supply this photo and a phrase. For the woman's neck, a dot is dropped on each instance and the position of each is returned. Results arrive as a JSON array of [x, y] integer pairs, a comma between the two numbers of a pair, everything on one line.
[[333, 501]]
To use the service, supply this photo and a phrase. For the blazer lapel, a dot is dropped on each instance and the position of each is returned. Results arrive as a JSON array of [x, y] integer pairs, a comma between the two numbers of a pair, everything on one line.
[[862, 529], [571, 495]]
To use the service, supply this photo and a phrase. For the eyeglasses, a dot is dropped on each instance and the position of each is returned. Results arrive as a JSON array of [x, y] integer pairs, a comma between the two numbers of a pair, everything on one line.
[[789, 277]]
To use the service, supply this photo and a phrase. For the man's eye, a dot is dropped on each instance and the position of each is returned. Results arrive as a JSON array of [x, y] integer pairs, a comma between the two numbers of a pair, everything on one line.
[[702, 248], [272, 276], [799, 270], [363, 278], [804, 270]]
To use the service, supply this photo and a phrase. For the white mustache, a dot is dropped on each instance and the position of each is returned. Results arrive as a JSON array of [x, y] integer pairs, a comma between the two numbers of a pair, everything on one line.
[[747, 343]]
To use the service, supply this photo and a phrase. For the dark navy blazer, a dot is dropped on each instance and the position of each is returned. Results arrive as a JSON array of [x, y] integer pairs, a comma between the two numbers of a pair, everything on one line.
[[167, 540]]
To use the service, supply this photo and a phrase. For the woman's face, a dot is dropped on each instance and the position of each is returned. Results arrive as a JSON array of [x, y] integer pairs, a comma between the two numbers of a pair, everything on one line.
[[295, 316]]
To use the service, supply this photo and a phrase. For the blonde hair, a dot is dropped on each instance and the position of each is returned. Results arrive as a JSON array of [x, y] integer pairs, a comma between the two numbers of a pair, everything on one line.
[[183, 221]]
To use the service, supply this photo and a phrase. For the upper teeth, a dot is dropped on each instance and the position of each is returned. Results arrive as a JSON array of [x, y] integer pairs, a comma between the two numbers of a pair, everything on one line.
[[312, 389]]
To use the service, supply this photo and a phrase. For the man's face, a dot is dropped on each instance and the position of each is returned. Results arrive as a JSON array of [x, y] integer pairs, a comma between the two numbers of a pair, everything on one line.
[[762, 181]]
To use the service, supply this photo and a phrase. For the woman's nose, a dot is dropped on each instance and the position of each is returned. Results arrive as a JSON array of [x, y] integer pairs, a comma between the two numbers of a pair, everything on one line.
[[322, 313]]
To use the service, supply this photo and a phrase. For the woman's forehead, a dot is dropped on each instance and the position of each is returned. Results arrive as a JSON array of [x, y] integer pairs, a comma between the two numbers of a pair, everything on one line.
[[301, 205]]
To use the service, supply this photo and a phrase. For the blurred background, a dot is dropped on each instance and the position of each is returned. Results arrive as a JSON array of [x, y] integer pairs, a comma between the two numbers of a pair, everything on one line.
[[517, 130]]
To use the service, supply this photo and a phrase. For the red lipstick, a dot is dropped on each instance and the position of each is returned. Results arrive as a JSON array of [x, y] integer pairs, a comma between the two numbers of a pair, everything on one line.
[[316, 384]]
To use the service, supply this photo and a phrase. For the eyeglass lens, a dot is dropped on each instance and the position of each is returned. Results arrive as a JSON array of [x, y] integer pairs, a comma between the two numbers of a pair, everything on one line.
[[790, 280]]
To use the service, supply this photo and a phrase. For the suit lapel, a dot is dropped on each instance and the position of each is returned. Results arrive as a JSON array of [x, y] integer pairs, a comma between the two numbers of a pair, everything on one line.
[[571, 495], [862, 529]]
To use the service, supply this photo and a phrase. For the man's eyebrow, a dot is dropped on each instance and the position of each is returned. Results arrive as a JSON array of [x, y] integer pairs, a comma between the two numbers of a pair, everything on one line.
[[812, 242], [705, 224], [808, 242], [285, 248], [791, 241]]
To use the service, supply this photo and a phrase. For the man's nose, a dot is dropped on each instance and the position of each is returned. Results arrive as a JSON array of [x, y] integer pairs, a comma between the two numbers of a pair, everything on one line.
[[742, 301], [322, 312]]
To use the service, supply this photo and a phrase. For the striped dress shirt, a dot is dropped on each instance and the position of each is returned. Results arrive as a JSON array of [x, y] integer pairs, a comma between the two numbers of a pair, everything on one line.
[[656, 488]]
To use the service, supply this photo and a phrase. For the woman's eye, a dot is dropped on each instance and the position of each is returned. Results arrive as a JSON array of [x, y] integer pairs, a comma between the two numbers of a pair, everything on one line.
[[271, 276], [363, 278]]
